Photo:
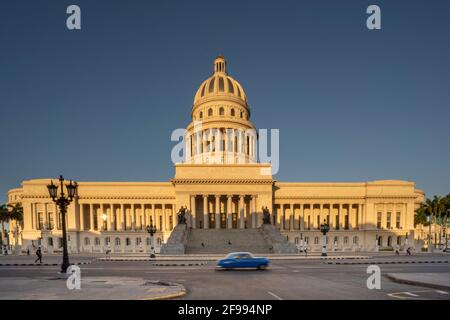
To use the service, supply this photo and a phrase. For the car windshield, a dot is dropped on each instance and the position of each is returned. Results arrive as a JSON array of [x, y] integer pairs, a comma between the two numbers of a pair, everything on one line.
[[239, 255]]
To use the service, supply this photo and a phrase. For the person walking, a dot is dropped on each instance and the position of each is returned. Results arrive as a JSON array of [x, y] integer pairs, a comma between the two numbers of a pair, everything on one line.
[[408, 251], [39, 255], [397, 251]]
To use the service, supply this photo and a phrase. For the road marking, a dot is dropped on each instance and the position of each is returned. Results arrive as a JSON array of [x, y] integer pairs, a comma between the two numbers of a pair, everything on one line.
[[411, 294], [274, 295], [441, 292]]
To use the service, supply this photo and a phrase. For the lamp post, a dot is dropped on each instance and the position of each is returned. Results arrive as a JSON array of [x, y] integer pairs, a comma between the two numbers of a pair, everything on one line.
[[377, 244], [151, 229], [324, 228], [63, 201], [445, 230]]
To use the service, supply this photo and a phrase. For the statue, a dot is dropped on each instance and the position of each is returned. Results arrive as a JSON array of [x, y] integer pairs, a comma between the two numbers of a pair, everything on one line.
[[266, 215], [182, 215]]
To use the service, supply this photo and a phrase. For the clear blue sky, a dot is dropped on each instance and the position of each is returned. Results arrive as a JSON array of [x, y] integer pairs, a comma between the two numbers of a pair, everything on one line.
[[351, 104]]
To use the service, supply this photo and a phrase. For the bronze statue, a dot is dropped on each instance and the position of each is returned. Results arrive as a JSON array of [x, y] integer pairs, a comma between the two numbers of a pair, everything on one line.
[[266, 215], [182, 215]]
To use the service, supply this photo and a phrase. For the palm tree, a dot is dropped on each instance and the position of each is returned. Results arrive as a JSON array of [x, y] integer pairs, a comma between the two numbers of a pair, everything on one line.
[[16, 214], [4, 217]]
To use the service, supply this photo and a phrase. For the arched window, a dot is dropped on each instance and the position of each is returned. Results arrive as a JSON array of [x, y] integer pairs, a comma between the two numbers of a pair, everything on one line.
[[97, 241], [316, 240], [355, 240], [138, 241], [221, 111], [296, 240], [336, 241], [87, 241], [117, 241], [107, 241], [306, 240], [242, 114], [50, 242], [210, 112], [399, 241], [201, 115], [380, 241], [128, 242], [345, 240], [233, 113], [389, 241], [158, 241]]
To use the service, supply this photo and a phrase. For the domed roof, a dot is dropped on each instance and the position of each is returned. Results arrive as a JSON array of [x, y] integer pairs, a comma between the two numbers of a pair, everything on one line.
[[220, 84]]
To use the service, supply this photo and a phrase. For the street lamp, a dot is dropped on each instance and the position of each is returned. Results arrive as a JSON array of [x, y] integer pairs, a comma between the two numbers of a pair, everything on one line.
[[324, 228], [445, 230], [151, 229], [63, 201]]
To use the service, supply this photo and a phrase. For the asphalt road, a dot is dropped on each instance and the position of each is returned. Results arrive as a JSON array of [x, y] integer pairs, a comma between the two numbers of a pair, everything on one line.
[[284, 280]]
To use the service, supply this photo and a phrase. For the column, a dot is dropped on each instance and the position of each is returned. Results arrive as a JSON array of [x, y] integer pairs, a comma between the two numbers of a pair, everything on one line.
[[241, 212], [360, 217], [100, 217], [205, 212], [91, 216], [193, 219], [229, 212], [321, 215], [143, 219], [217, 207], [152, 218], [292, 218], [301, 217], [45, 217], [253, 211], [81, 217], [351, 220], [123, 219], [341, 217], [113, 221]]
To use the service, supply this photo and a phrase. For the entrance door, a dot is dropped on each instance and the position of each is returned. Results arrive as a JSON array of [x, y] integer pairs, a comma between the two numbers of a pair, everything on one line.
[[223, 220], [234, 220], [212, 221]]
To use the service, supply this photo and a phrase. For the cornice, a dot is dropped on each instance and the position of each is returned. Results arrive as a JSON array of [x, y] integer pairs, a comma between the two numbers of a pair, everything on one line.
[[222, 181]]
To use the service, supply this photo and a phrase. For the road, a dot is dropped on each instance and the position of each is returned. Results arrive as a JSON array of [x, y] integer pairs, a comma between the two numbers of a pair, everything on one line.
[[284, 280]]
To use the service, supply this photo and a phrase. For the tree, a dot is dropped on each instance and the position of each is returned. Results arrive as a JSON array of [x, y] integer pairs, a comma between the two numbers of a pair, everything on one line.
[[4, 218], [16, 215]]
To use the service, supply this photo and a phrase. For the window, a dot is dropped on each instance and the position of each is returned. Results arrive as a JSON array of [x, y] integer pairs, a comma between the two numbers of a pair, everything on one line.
[[60, 242], [345, 240], [158, 241], [221, 111], [316, 240], [50, 242], [138, 241], [201, 115], [211, 85], [399, 241], [378, 220], [50, 221], [355, 240], [230, 86], [296, 240], [233, 113], [210, 112], [107, 241], [40, 224], [97, 241], [87, 241], [128, 242], [117, 241], [306, 240], [397, 220], [242, 114], [336, 241], [388, 220], [221, 85]]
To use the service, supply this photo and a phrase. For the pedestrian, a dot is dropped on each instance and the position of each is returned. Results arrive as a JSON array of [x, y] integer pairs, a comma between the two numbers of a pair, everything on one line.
[[408, 251], [397, 251], [28, 251], [229, 242], [306, 252], [39, 255]]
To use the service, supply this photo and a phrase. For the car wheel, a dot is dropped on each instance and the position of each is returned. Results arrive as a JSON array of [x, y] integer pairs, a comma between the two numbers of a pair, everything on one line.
[[262, 267]]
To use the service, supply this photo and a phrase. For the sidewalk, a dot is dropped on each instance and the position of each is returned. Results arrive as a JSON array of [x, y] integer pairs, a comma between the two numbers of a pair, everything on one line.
[[431, 280], [92, 288]]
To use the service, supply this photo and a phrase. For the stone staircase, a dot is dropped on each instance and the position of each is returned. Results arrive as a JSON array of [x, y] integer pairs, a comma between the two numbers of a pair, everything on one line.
[[216, 241]]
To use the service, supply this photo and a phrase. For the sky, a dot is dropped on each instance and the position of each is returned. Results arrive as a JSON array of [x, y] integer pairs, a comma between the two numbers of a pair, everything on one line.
[[100, 103]]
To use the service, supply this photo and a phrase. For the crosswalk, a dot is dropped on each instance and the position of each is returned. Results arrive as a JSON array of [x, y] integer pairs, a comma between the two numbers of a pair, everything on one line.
[[420, 295]]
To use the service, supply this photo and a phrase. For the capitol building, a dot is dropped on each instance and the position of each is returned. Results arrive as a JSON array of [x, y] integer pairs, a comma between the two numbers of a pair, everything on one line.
[[224, 187]]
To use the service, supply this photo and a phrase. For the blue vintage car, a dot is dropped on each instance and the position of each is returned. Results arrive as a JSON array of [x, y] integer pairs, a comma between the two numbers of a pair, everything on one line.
[[239, 260]]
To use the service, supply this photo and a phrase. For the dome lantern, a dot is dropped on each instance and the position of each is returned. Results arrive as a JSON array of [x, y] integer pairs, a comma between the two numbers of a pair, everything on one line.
[[220, 65]]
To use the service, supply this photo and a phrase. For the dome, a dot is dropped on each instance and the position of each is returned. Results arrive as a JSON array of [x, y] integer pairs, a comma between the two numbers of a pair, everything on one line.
[[220, 85]]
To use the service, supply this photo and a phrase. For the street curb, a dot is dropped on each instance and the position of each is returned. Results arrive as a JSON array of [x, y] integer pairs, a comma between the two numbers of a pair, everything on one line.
[[388, 262], [40, 264], [168, 296], [192, 264], [417, 283]]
